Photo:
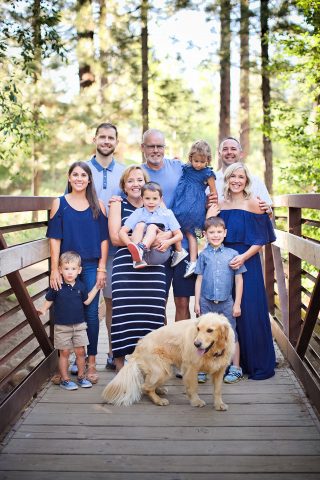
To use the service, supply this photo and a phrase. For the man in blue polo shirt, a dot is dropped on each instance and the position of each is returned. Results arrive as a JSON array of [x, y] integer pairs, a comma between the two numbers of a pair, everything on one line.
[[106, 174], [167, 173]]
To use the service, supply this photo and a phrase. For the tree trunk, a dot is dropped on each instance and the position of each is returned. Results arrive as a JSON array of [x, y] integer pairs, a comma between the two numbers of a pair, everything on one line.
[[225, 40], [244, 78], [145, 65], [37, 72], [103, 48], [85, 47], [266, 93]]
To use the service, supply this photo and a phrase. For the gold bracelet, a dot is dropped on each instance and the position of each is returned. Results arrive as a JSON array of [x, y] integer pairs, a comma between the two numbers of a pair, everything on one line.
[[101, 270]]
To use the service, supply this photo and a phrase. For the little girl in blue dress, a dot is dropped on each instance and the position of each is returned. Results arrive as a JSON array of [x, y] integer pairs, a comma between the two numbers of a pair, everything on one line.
[[189, 205]]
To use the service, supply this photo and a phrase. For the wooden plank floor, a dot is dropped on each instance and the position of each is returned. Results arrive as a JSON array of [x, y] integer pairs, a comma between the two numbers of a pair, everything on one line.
[[270, 432]]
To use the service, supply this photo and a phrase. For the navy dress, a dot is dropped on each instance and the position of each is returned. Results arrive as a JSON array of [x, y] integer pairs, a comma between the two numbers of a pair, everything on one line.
[[138, 298], [189, 204], [257, 356]]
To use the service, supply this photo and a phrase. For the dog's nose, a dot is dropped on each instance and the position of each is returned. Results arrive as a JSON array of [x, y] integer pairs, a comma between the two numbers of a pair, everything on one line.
[[197, 344]]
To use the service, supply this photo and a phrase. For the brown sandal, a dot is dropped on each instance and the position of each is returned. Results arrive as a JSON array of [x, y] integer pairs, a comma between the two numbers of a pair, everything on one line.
[[92, 375], [56, 379]]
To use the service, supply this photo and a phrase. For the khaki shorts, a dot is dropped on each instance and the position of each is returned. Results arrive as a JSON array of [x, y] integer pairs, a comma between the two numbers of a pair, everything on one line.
[[67, 337], [107, 291]]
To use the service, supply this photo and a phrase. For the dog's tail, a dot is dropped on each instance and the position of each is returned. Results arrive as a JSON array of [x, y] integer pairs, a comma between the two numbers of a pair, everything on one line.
[[126, 387]]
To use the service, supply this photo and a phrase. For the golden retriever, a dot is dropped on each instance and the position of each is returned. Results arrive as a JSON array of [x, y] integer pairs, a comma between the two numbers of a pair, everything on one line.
[[205, 344]]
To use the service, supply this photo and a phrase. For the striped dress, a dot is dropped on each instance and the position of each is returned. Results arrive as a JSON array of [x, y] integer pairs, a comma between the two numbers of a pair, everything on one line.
[[138, 298]]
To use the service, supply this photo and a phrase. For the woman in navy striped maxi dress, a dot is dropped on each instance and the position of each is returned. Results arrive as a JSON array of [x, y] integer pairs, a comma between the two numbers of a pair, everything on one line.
[[138, 295]]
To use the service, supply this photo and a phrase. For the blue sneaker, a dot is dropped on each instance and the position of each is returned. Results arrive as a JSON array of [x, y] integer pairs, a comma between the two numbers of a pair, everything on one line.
[[202, 377], [110, 365], [234, 375], [74, 369], [84, 383], [68, 385]]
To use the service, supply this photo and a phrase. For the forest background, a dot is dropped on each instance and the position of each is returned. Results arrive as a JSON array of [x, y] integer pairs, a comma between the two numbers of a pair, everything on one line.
[[194, 69]]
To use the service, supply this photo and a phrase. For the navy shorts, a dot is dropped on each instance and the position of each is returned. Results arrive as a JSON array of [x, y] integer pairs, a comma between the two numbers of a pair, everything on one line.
[[182, 287]]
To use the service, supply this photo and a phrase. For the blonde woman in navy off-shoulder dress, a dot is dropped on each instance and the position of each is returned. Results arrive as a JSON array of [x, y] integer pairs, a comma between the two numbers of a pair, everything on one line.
[[247, 231], [78, 222]]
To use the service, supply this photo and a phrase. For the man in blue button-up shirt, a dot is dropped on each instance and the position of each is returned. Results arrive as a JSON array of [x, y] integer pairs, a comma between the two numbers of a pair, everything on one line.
[[215, 281]]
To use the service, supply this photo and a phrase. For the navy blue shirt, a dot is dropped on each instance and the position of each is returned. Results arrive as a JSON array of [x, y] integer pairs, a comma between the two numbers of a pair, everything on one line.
[[218, 276], [68, 303], [78, 230]]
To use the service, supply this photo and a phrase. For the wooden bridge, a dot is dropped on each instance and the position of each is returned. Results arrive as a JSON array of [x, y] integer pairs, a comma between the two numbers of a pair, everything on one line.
[[271, 430]]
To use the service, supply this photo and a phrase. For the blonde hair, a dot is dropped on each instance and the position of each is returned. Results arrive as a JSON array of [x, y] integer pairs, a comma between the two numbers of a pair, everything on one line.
[[70, 257], [227, 174], [126, 174], [202, 148]]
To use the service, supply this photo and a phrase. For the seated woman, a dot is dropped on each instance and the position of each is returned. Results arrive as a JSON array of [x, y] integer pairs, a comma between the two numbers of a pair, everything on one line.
[[247, 231], [138, 296]]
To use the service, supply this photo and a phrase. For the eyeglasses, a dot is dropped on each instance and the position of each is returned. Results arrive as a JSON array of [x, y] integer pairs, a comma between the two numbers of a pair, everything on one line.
[[153, 147]]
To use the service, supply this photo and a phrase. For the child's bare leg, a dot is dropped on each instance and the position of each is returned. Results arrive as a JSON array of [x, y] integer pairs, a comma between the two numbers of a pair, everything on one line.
[[80, 360], [178, 246], [150, 235], [193, 246], [137, 233], [236, 356], [64, 364]]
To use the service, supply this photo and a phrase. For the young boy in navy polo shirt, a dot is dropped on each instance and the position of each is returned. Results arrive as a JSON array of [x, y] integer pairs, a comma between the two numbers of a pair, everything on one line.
[[145, 223], [214, 285], [70, 328]]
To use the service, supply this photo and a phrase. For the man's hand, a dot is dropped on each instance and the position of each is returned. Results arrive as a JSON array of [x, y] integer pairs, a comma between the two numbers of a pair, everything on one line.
[[264, 207], [211, 199], [114, 198]]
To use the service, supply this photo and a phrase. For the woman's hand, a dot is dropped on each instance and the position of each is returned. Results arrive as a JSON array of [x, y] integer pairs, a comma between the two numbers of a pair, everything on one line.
[[213, 211], [101, 280], [197, 309], [237, 262], [55, 279], [236, 310]]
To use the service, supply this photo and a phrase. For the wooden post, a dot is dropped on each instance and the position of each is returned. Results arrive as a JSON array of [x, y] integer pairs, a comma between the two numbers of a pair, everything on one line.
[[294, 286], [310, 320]]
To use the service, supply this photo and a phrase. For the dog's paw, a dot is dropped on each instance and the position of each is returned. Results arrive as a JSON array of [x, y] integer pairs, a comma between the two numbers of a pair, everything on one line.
[[198, 402], [163, 402], [222, 407], [161, 390]]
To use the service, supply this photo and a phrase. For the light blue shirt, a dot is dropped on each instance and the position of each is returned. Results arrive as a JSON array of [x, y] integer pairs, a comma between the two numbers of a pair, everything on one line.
[[218, 276], [160, 215], [167, 176], [106, 182]]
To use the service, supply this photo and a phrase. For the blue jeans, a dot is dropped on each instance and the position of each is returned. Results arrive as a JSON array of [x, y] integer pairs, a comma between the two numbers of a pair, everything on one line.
[[89, 276]]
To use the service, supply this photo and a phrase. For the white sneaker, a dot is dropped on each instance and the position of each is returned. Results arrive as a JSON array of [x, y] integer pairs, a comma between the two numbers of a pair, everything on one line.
[[190, 269], [177, 257], [141, 264]]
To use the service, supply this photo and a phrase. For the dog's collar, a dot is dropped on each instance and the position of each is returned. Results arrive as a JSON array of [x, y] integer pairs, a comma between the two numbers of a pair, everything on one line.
[[208, 348], [218, 354]]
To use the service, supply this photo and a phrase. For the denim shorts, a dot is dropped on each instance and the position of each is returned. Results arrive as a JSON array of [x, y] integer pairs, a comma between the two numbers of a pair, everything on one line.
[[182, 287], [225, 308]]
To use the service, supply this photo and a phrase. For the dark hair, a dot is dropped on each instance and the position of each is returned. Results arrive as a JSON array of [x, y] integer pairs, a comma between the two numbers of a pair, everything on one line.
[[152, 186], [91, 193], [214, 222], [68, 257], [106, 125]]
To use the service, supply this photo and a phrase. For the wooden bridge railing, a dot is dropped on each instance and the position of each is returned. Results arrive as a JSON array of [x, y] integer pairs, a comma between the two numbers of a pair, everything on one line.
[[292, 278], [28, 358], [27, 355]]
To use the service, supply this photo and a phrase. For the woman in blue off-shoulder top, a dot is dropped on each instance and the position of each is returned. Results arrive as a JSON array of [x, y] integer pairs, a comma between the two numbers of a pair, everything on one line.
[[247, 231]]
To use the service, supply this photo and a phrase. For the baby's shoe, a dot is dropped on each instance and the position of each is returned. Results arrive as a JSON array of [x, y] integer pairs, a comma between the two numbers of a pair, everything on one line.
[[177, 257], [136, 252], [191, 266]]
